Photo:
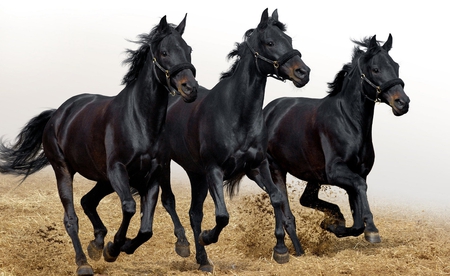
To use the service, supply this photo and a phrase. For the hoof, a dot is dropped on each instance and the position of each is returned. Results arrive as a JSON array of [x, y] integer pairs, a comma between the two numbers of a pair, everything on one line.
[[106, 255], [281, 258], [201, 238], [332, 223], [85, 270], [94, 252], [209, 267], [182, 249], [372, 237]]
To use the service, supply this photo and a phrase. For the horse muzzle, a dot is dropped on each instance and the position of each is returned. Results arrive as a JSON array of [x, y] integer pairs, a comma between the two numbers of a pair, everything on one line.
[[399, 102]]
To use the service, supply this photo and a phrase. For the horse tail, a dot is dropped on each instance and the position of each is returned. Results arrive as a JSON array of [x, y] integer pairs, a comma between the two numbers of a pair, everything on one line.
[[232, 185], [26, 156]]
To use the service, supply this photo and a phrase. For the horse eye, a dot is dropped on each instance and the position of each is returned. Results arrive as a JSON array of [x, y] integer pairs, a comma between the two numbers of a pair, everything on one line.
[[164, 53], [270, 43], [376, 70]]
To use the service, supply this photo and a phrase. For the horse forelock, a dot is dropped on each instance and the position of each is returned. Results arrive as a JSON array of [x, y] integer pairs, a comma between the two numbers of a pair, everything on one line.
[[137, 58]]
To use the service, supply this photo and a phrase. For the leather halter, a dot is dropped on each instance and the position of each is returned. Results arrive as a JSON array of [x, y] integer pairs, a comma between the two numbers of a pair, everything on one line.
[[378, 88], [276, 63], [170, 72]]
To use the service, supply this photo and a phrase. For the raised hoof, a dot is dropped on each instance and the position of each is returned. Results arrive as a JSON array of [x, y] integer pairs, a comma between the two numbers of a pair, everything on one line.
[[94, 252], [209, 267], [182, 249], [106, 255], [281, 258], [201, 239], [372, 237], [332, 223], [85, 270]]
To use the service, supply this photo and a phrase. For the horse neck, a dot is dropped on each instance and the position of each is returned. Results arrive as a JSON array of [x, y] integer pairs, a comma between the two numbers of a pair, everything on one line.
[[358, 109], [145, 100], [245, 90]]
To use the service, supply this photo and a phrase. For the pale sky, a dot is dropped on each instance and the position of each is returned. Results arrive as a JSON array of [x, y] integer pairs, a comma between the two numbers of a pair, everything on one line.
[[51, 50]]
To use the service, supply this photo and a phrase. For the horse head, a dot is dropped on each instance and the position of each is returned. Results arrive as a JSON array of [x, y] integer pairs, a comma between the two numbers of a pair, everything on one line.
[[273, 51], [172, 56], [380, 77]]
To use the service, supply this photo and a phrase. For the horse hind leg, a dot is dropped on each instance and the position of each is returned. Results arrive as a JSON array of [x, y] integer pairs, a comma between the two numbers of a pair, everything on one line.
[[89, 202], [65, 189], [182, 246], [279, 179], [199, 190], [278, 200]]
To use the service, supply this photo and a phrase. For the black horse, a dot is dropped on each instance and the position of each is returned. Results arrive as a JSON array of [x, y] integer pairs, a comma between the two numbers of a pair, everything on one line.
[[329, 140], [115, 141], [222, 136]]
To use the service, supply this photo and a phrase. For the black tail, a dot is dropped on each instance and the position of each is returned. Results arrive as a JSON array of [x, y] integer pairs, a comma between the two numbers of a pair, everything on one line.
[[26, 156], [232, 185]]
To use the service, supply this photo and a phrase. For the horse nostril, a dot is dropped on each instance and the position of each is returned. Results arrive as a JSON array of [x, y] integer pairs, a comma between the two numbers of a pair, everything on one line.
[[300, 73], [399, 103], [187, 89]]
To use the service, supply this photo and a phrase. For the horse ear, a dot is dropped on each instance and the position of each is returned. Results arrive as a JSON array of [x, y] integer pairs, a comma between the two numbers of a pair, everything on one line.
[[264, 19], [182, 25], [373, 42], [275, 15], [162, 24], [388, 44]]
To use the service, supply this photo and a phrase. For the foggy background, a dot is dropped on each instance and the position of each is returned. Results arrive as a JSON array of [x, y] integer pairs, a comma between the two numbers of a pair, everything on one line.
[[52, 50]]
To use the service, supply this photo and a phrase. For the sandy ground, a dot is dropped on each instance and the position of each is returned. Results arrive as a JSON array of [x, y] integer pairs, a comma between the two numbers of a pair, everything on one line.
[[33, 240]]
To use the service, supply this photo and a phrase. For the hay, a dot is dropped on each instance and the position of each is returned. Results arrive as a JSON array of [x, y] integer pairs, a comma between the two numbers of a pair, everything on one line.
[[34, 242]]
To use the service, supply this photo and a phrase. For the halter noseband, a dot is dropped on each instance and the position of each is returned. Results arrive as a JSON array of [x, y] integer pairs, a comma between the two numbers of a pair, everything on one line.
[[276, 63], [170, 72], [378, 88]]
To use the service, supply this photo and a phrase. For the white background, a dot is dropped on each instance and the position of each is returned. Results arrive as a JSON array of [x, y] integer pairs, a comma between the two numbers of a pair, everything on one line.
[[52, 50]]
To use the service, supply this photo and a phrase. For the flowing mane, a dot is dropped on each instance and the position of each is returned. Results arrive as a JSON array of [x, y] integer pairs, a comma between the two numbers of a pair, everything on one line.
[[240, 47], [336, 86], [137, 58]]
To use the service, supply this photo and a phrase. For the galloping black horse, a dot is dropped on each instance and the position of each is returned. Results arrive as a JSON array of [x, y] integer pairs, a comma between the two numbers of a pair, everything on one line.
[[329, 140], [112, 140], [222, 136]]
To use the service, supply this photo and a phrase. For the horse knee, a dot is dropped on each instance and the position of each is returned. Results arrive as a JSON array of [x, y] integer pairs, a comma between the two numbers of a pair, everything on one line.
[[276, 199], [129, 207]]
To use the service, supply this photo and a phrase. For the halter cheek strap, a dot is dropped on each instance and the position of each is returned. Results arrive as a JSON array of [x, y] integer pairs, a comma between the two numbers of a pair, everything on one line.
[[276, 63], [379, 88], [171, 72]]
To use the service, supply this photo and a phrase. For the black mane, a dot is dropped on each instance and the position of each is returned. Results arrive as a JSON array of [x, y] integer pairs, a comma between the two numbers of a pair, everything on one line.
[[336, 86], [239, 50], [137, 58]]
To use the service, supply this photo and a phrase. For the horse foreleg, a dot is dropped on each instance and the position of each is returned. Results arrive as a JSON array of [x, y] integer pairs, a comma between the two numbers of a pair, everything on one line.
[[310, 198], [199, 190], [340, 175], [168, 201], [118, 177], [371, 233], [89, 202], [148, 205]]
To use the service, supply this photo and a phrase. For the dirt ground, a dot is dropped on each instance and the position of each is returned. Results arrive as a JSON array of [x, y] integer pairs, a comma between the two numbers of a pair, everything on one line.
[[33, 240]]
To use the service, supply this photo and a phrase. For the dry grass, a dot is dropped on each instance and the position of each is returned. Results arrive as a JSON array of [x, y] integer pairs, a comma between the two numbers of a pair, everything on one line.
[[33, 240]]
